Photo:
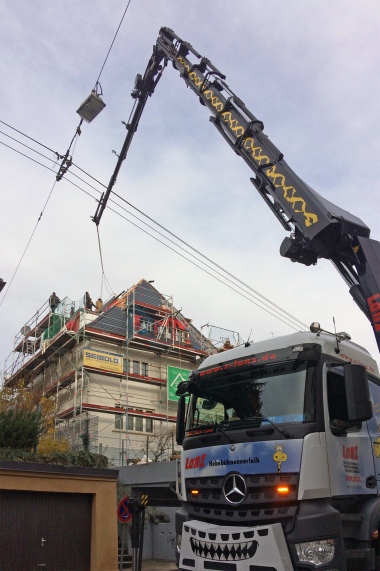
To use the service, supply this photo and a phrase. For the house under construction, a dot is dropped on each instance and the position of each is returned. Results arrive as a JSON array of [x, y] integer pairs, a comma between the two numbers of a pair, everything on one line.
[[112, 373]]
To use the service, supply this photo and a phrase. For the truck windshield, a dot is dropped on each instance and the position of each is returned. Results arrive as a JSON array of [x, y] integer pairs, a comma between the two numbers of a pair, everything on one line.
[[280, 392]]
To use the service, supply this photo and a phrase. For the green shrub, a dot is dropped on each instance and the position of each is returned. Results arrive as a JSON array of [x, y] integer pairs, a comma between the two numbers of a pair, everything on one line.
[[19, 429], [81, 458]]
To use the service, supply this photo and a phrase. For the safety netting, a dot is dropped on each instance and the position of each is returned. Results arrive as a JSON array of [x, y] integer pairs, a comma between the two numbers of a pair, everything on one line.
[[220, 337], [66, 314]]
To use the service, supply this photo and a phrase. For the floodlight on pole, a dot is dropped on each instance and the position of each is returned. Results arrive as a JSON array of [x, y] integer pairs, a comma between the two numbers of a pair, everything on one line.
[[91, 107]]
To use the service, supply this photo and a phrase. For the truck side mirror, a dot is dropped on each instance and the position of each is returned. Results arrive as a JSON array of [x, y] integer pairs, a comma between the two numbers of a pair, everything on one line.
[[180, 428], [359, 405]]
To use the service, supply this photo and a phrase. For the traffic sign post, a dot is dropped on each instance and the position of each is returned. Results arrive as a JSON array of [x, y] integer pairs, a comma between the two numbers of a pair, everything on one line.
[[123, 513]]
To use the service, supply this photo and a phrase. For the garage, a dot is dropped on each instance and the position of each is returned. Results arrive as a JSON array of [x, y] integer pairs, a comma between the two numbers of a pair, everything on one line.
[[57, 518], [45, 531]]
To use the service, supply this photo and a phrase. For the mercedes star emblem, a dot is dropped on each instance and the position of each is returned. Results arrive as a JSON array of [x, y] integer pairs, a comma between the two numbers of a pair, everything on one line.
[[234, 488]]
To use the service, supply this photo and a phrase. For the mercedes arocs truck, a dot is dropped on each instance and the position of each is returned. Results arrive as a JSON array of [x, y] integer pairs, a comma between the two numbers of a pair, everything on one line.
[[281, 457]]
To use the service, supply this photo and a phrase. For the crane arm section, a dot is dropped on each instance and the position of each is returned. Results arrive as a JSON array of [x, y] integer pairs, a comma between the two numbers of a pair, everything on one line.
[[319, 228]]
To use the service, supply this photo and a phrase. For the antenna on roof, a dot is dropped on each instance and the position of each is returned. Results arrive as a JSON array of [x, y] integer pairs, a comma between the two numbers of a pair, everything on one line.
[[337, 350]]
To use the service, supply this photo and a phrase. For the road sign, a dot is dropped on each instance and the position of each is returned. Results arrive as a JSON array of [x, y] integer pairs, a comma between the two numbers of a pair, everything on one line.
[[176, 376], [123, 513]]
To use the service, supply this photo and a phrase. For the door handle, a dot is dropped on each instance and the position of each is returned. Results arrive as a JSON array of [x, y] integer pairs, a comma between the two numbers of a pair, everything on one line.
[[42, 542], [371, 482]]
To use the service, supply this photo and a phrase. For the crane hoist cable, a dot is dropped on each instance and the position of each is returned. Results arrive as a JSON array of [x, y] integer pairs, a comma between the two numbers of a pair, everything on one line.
[[104, 277]]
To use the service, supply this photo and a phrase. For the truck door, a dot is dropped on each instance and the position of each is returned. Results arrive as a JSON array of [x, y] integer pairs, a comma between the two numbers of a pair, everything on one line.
[[374, 425], [349, 452]]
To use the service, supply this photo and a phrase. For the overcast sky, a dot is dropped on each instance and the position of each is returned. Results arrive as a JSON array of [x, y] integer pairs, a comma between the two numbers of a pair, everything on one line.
[[308, 70]]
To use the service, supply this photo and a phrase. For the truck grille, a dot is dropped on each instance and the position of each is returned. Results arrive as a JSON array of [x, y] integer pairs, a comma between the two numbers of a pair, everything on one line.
[[262, 505]]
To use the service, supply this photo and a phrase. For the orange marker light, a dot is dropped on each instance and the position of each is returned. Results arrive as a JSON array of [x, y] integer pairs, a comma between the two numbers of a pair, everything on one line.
[[283, 490], [195, 492]]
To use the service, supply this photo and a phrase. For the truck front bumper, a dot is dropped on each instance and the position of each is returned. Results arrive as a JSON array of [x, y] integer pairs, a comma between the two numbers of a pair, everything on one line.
[[221, 548]]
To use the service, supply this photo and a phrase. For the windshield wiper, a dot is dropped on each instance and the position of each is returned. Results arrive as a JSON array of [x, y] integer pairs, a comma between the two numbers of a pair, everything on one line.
[[286, 434], [218, 428]]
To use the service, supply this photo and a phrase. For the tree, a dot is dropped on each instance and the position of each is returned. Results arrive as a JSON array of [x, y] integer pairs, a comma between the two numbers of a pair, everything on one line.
[[24, 416], [19, 429], [160, 444]]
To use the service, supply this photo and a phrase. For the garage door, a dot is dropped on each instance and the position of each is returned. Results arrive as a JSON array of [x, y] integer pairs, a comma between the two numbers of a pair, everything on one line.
[[45, 531]]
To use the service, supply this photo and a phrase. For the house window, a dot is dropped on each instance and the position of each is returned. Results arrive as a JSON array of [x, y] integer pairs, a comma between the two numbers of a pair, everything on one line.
[[178, 335], [144, 369], [119, 421], [148, 425], [136, 367], [183, 336], [140, 423], [130, 422]]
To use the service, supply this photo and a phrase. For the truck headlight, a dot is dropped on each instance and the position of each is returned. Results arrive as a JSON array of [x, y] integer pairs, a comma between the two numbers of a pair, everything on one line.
[[316, 552]]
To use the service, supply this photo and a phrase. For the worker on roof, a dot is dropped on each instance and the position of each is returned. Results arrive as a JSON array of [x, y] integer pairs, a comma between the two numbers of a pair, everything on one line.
[[88, 303], [98, 304], [54, 301]]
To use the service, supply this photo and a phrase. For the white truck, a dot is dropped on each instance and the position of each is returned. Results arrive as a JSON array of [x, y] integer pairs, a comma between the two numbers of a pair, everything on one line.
[[281, 457]]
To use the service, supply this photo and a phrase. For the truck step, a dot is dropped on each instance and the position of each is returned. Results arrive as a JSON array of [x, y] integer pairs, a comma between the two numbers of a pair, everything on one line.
[[360, 559]]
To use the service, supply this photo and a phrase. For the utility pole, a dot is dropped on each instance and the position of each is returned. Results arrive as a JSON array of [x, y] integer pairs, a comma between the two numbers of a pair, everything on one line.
[[147, 448]]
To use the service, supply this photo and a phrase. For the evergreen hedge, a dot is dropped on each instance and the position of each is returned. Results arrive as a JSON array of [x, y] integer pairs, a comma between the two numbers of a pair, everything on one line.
[[81, 458], [19, 429]]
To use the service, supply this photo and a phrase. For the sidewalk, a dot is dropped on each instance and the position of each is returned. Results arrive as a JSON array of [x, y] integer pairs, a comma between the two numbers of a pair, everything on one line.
[[159, 565]]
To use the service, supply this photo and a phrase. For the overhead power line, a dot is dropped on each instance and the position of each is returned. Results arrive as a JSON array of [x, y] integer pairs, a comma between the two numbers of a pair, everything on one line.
[[279, 313], [27, 246], [30, 138]]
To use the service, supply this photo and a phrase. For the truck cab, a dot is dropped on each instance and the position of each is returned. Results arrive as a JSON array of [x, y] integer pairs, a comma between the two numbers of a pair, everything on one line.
[[280, 465]]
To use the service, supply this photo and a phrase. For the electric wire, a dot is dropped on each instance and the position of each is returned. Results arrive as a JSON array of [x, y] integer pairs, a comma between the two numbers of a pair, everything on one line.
[[34, 140], [27, 146], [48, 159], [109, 51], [218, 273], [191, 261], [168, 231], [209, 260], [203, 256], [166, 238], [27, 245]]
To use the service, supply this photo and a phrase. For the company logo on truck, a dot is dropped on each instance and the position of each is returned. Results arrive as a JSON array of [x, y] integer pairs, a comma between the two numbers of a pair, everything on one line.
[[236, 363], [350, 452], [197, 462], [376, 444], [279, 456]]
